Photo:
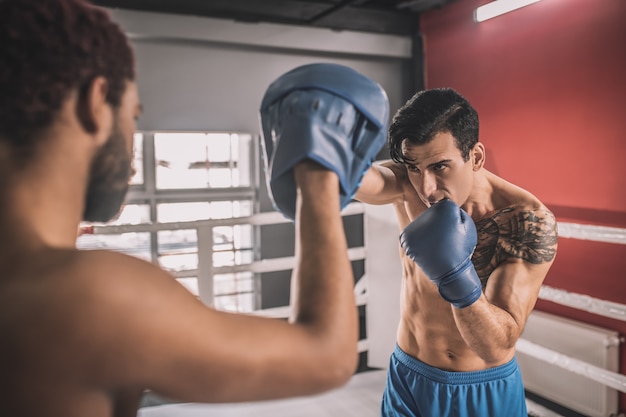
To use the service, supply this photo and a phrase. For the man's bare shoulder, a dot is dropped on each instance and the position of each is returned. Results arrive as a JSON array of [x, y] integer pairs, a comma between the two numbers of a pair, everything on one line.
[[106, 263], [104, 310], [62, 279], [526, 232], [519, 217], [112, 279]]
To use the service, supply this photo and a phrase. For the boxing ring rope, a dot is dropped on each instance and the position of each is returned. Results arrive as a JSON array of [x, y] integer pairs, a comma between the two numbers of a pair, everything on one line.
[[608, 378], [585, 303], [582, 302], [591, 232]]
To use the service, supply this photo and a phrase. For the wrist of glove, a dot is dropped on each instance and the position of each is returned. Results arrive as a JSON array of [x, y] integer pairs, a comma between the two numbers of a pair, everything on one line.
[[462, 287], [441, 242]]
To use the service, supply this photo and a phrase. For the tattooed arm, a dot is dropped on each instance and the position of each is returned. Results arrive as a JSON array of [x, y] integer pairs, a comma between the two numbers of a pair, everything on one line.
[[515, 251]]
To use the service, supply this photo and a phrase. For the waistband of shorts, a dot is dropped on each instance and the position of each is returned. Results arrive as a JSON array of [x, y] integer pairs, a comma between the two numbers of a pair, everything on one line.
[[448, 377]]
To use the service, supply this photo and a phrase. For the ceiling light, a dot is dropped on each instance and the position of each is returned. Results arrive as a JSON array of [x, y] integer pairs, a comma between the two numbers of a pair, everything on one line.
[[498, 7]]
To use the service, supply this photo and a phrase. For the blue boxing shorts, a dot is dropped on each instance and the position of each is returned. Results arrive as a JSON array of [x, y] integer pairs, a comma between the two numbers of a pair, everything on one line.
[[415, 389]]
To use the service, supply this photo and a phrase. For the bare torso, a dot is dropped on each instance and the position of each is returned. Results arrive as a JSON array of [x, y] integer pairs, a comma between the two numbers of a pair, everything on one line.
[[511, 231]]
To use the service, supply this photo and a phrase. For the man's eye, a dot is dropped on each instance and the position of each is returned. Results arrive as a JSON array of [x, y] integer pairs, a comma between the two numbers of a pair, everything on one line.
[[412, 168], [440, 167]]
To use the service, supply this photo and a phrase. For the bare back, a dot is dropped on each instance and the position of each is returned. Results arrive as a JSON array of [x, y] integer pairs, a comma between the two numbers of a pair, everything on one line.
[[52, 357]]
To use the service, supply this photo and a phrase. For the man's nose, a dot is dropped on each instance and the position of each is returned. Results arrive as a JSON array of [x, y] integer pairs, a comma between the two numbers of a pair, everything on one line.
[[428, 185]]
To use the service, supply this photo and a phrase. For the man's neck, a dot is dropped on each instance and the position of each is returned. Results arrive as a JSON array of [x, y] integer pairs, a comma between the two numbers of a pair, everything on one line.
[[480, 201]]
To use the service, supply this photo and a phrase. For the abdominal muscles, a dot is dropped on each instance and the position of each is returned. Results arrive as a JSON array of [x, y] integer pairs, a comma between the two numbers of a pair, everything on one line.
[[427, 330]]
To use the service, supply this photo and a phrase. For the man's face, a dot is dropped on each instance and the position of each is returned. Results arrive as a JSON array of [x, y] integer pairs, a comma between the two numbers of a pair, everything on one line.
[[437, 170], [111, 167]]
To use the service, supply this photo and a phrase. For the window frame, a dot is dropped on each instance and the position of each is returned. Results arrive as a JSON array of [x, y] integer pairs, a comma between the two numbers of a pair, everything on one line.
[[146, 193]]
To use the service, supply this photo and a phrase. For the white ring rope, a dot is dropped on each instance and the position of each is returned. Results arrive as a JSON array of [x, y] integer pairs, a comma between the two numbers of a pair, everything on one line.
[[592, 232], [608, 378], [584, 302]]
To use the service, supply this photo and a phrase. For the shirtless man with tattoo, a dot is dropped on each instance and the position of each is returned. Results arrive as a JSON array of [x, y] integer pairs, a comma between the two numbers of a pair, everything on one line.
[[460, 319]]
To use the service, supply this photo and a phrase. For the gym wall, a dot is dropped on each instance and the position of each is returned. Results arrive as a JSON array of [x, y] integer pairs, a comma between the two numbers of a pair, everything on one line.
[[548, 82]]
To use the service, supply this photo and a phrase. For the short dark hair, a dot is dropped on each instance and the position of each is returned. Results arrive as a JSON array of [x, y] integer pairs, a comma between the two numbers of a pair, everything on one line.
[[428, 113], [48, 49]]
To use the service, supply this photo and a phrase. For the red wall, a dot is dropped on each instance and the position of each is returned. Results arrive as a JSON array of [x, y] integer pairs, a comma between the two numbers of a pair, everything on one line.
[[549, 84]]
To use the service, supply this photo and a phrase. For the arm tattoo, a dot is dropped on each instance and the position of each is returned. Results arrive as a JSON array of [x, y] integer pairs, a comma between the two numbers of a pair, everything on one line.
[[514, 232]]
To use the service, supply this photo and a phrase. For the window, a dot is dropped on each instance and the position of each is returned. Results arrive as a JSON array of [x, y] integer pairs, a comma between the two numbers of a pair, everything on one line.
[[201, 160], [182, 179]]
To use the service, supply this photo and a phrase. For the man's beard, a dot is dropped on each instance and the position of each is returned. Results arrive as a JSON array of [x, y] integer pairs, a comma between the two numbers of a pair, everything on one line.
[[108, 179]]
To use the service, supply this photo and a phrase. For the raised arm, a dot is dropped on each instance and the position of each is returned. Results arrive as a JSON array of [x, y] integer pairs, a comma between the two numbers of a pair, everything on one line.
[[317, 144], [383, 183], [513, 286], [153, 333]]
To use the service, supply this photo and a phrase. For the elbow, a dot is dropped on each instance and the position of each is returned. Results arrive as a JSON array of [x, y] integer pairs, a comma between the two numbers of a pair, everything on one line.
[[346, 366], [335, 367], [498, 353], [339, 373], [330, 351]]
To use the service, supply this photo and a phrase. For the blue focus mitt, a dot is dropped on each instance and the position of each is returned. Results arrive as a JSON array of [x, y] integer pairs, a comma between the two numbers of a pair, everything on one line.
[[328, 113]]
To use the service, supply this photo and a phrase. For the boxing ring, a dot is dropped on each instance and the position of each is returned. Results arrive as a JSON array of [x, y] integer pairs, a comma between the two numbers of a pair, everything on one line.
[[361, 396]]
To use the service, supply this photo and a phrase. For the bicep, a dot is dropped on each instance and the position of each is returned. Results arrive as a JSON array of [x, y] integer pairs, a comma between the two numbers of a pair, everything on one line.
[[528, 255], [514, 287]]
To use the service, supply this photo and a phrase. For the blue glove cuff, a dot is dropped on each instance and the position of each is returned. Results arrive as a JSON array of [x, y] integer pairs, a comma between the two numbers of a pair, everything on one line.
[[461, 287]]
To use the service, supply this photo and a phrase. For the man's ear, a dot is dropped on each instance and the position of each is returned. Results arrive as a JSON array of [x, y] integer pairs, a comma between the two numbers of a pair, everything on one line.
[[477, 155], [93, 110]]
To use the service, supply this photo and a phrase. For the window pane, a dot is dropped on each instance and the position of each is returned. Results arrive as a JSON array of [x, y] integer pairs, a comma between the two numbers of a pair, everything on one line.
[[232, 237], [176, 262], [133, 214], [186, 212], [178, 249], [242, 303], [241, 146], [242, 236], [228, 284], [183, 212], [136, 244], [137, 159], [202, 160], [232, 245], [242, 257], [223, 238]]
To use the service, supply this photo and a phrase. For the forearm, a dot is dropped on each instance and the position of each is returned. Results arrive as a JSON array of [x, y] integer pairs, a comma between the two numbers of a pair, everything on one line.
[[323, 283], [488, 330]]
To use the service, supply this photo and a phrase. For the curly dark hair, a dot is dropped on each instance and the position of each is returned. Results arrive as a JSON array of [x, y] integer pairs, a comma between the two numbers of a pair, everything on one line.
[[49, 49], [428, 113]]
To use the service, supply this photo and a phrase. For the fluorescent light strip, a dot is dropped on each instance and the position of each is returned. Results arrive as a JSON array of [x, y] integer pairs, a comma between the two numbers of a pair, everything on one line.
[[498, 7]]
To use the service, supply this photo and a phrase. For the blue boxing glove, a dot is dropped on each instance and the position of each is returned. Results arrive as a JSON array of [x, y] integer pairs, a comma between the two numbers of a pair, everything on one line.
[[328, 113], [441, 241]]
